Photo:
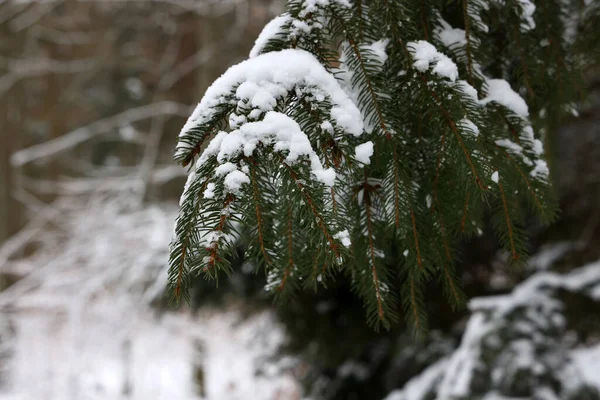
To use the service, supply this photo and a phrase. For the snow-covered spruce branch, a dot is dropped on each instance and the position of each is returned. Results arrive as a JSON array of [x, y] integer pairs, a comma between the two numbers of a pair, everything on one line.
[[376, 159]]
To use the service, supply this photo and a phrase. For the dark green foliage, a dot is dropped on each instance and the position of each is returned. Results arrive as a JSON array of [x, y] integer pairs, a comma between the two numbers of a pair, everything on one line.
[[446, 149]]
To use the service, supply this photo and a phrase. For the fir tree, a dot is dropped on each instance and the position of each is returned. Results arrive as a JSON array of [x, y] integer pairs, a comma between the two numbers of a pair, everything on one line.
[[369, 138]]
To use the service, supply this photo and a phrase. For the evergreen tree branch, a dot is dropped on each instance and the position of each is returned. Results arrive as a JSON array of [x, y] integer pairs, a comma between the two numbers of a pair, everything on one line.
[[454, 130], [259, 217], [468, 42], [367, 202], [526, 77], [213, 250], [290, 247], [509, 224]]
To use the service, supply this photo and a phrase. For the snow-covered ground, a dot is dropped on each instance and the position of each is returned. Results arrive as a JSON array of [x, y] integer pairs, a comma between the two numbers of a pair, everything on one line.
[[80, 325]]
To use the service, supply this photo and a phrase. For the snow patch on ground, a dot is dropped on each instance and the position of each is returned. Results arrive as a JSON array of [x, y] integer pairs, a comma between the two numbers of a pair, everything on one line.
[[84, 329]]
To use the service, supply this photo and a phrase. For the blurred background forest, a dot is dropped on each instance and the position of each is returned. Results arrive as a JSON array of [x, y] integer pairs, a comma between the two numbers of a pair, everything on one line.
[[92, 96]]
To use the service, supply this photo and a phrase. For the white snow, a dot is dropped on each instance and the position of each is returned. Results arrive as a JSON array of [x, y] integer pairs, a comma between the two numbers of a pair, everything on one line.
[[540, 170], [270, 31], [225, 168], [534, 289], [418, 387], [548, 255], [474, 9], [344, 237], [538, 147], [260, 81], [496, 176], [499, 91], [345, 75], [275, 129], [363, 152], [456, 380], [511, 146], [327, 127], [234, 181], [587, 361], [377, 49], [540, 167], [452, 377], [450, 36], [84, 327], [425, 55], [311, 6], [528, 9], [469, 127], [190, 178], [468, 90], [209, 193], [528, 136]]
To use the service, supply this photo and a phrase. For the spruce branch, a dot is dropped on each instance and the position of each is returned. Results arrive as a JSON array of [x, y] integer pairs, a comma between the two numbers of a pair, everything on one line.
[[370, 138]]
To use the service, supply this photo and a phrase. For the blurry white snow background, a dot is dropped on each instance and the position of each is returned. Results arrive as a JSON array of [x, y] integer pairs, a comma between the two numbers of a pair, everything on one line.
[[79, 325]]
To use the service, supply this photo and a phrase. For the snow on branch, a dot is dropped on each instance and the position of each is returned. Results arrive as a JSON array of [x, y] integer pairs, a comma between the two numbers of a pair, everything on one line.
[[267, 79]]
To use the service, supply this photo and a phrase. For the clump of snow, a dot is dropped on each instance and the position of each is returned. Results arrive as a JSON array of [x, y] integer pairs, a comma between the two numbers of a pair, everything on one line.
[[540, 167], [275, 129], [510, 146], [528, 136], [496, 176], [474, 9], [425, 55], [468, 90], [499, 91], [344, 237], [363, 152], [327, 127], [209, 193], [377, 49], [450, 36], [225, 168], [528, 8], [260, 81], [469, 127], [538, 147], [234, 181], [540, 170], [270, 31]]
